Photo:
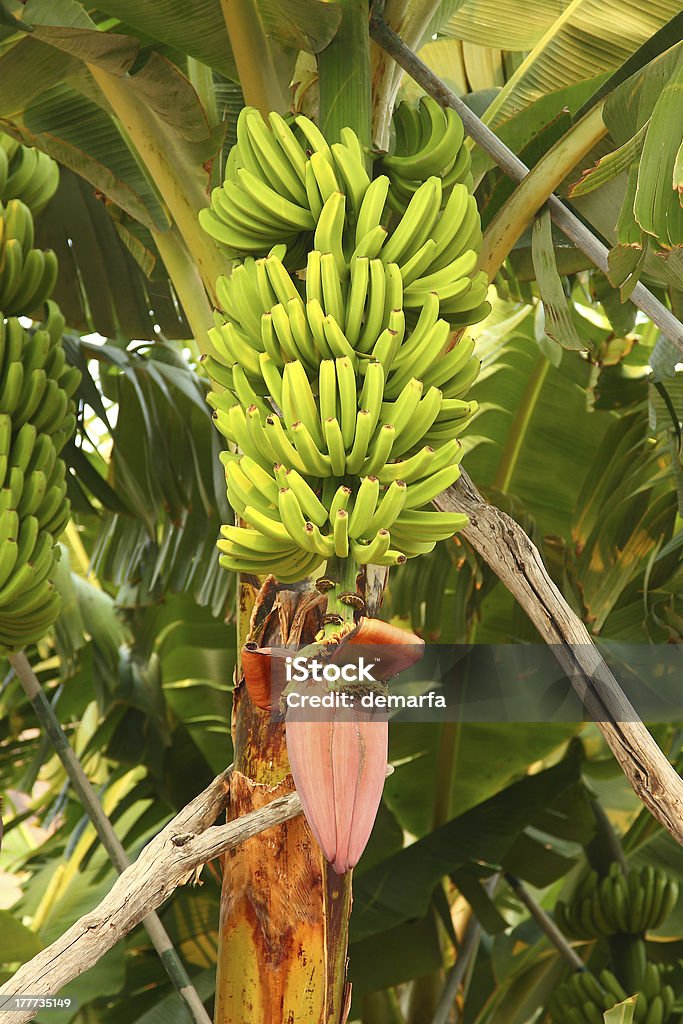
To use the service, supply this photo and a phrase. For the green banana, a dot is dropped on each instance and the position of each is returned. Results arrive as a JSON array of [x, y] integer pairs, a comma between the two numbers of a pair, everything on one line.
[[346, 411]]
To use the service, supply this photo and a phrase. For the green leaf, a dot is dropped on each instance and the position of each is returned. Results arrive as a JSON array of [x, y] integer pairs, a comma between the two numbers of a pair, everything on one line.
[[490, 755], [589, 37], [558, 323], [400, 888], [73, 129], [625, 264], [483, 907], [405, 952], [497, 23], [101, 286], [520, 129], [622, 1013], [106, 978], [626, 510], [657, 208], [530, 152], [170, 1009], [678, 173], [16, 941], [517, 999], [502, 388], [10, 20], [650, 203], [72, 119], [610, 166], [197, 27]]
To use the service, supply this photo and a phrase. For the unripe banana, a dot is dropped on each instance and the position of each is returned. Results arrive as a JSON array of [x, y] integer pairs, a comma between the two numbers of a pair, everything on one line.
[[28, 175], [34, 411], [324, 380]]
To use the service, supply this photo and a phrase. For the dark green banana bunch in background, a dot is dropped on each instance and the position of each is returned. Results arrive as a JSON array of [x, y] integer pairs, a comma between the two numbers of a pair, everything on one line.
[[619, 909], [37, 412]]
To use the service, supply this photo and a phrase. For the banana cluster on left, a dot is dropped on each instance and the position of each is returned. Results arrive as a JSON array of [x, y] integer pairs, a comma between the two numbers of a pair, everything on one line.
[[340, 381], [37, 413]]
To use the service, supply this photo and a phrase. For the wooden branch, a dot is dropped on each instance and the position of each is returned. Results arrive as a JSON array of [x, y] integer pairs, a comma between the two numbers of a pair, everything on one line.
[[504, 545], [158, 935], [169, 860]]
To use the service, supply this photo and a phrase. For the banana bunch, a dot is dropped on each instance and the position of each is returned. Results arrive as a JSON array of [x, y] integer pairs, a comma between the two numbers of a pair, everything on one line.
[[36, 419], [278, 179], [584, 998], [629, 904], [273, 322], [287, 187], [26, 174], [429, 141], [289, 486], [339, 385], [27, 275], [430, 251]]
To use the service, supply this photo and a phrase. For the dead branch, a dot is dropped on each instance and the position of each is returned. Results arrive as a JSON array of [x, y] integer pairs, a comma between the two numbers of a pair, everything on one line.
[[169, 860], [504, 545]]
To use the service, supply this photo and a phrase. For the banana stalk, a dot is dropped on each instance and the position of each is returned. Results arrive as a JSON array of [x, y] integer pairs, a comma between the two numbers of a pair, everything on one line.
[[539, 184], [284, 910], [188, 285], [253, 55]]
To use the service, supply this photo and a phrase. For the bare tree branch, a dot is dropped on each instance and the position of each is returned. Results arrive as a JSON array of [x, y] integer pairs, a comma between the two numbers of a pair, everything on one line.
[[169, 860], [504, 545], [158, 935]]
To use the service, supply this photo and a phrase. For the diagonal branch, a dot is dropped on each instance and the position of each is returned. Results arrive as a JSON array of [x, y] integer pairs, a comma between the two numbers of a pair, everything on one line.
[[157, 933], [517, 170], [169, 860], [504, 545]]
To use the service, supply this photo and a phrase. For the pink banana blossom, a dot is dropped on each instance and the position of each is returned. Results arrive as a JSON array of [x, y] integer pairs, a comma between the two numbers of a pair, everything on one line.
[[338, 755]]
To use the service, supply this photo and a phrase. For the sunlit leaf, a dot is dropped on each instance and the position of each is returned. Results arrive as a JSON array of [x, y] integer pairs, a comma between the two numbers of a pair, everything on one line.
[[657, 207], [610, 166], [589, 37], [198, 27], [498, 23], [622, 1013]]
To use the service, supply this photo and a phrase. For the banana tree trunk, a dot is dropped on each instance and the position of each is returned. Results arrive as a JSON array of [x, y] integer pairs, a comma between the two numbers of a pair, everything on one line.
[[284, 911]]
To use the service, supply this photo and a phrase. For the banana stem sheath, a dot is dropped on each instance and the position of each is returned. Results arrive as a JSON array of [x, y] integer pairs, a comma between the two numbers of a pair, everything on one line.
[[344, 75]]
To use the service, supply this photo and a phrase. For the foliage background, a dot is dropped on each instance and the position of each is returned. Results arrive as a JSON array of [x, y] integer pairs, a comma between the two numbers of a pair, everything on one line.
[[578, 438]]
